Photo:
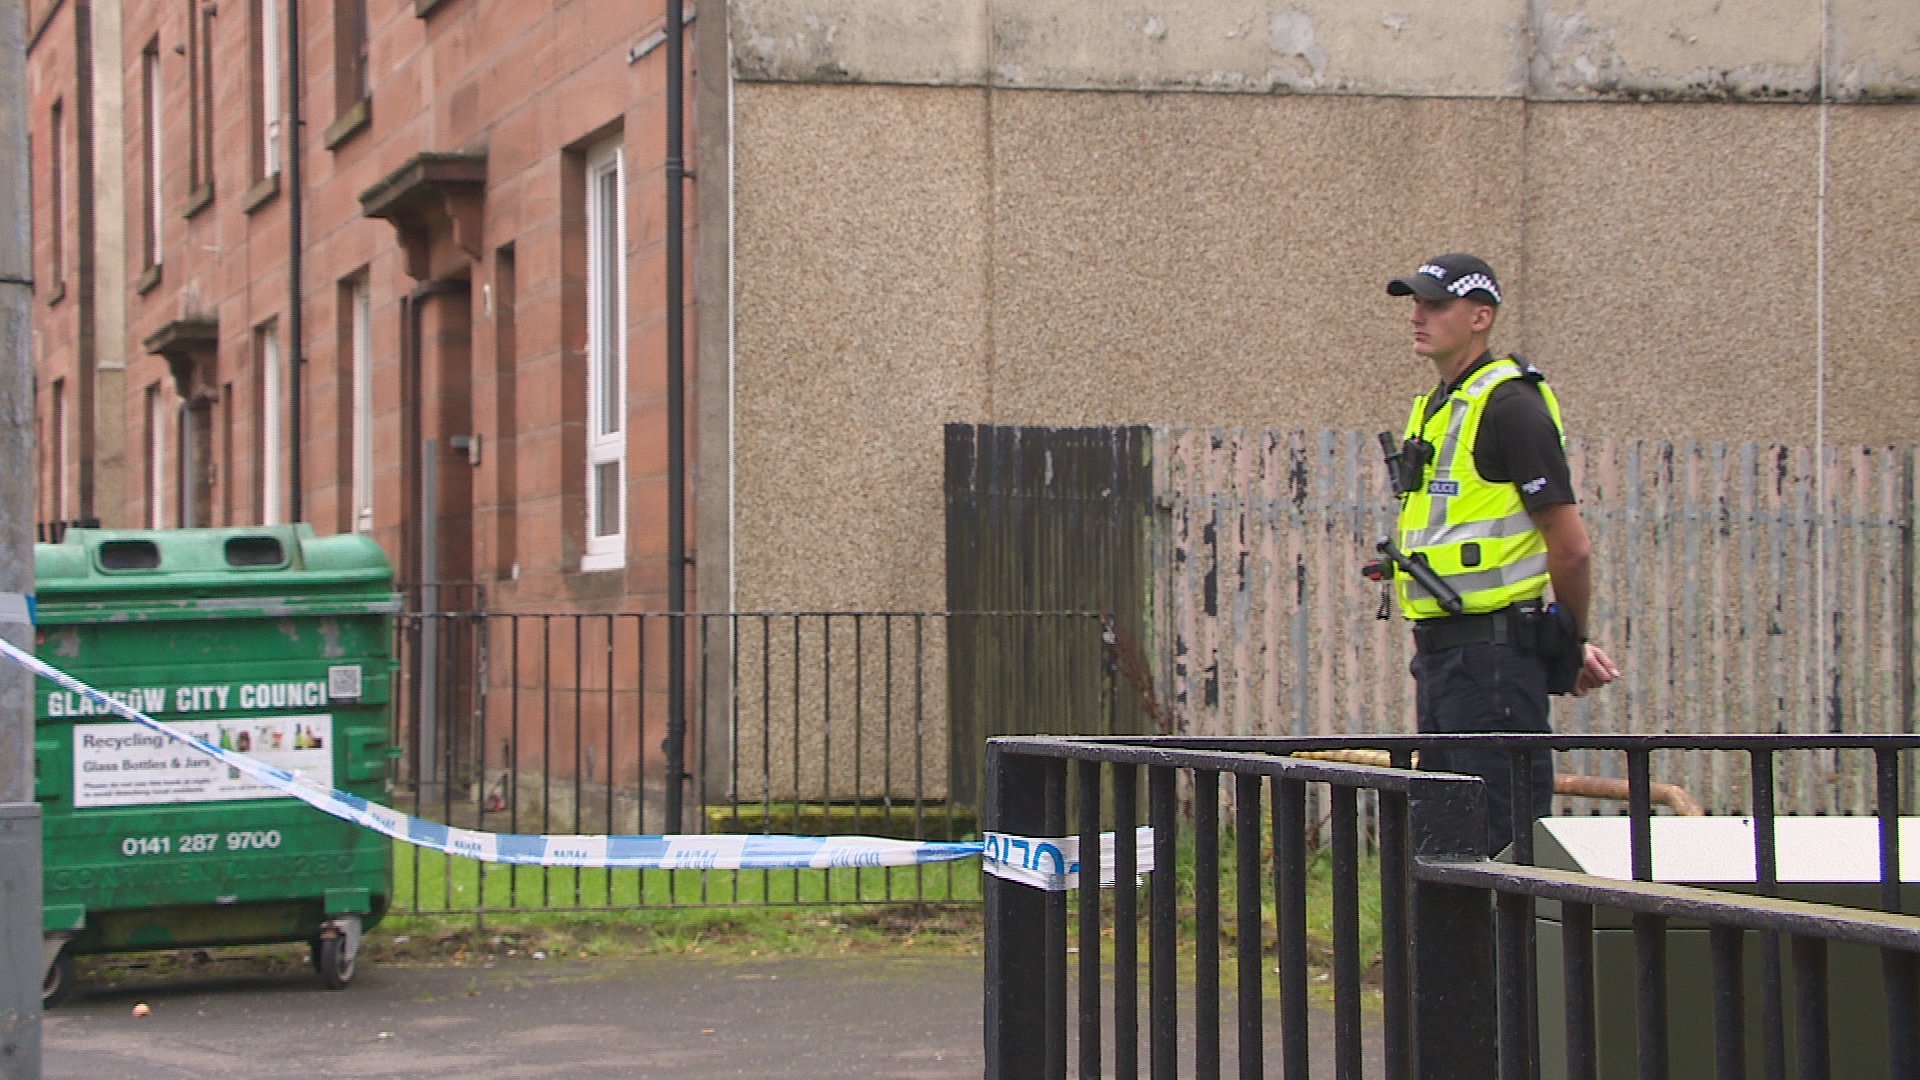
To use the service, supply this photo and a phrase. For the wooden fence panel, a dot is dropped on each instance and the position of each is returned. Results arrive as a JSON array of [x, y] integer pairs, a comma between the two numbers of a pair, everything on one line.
[[1731, 600]]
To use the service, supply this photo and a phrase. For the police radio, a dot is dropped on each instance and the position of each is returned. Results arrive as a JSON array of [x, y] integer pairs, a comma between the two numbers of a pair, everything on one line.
[[1407, 472], [1406, 463]]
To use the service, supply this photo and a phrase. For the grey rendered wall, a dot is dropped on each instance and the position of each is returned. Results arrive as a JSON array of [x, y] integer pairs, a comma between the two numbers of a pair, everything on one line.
[[1061, 212]]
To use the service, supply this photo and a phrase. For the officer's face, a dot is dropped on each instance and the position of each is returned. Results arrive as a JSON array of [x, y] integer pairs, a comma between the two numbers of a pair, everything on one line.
[[1442, 329]]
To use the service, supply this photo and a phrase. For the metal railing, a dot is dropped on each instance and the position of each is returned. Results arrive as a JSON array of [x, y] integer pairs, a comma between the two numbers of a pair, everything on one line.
[[1458, 961], [53, 532], [816, 723]]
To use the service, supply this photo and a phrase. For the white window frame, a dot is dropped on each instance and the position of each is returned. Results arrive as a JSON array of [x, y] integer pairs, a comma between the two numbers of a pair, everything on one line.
[[360, 317], [269, 61], [156, 458], [606, 548], [270, 425], [150, 74]]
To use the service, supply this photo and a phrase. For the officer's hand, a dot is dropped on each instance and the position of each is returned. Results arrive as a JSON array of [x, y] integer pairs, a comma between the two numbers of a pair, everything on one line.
[[1598, 671]]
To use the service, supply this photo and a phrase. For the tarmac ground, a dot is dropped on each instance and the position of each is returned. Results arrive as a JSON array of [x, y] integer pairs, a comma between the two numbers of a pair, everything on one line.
[[911, 1017]]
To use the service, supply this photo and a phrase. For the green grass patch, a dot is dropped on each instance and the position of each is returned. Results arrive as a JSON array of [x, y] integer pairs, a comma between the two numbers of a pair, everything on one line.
[[465, 904], [428, 882], [736, 933], [1319, 894]]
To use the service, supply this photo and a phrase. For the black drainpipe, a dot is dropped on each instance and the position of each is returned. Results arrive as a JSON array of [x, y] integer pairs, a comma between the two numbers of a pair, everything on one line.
[[409, 439], [676, 429], [86, 401], [296, 229]]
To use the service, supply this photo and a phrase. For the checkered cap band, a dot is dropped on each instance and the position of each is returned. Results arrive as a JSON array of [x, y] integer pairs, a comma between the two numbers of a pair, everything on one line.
[[1471, 282]]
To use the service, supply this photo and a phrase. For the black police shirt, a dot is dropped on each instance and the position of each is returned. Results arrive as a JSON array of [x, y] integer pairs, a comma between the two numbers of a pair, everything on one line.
[[1517, 442]]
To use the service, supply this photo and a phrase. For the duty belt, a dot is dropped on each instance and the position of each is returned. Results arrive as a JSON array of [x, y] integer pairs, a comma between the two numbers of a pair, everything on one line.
[[1508, 626]]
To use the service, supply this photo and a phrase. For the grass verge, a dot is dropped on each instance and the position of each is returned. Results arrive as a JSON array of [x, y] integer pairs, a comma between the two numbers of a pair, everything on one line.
[[427, 882]]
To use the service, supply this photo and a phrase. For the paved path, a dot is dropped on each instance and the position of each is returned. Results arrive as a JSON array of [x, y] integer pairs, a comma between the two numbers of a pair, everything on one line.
[[915, 1018], [863, 1017]]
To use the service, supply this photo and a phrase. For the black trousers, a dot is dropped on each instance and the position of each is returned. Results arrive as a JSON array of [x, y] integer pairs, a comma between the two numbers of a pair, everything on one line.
[[1482, 688]]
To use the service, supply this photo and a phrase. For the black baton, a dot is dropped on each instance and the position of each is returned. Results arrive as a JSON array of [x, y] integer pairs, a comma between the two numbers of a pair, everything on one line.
[[1423, 575]]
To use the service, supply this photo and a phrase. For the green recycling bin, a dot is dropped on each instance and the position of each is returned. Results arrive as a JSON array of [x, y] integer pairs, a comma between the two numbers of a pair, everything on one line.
[[270, 641], [1821, 860]]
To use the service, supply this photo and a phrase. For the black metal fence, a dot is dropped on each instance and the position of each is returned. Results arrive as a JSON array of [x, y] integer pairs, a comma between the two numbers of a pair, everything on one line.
[[1459, 969], [53, 532], [816, 723]]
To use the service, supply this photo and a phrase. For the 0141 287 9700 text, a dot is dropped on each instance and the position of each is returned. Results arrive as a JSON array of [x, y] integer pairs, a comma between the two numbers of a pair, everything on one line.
[[199, 843]]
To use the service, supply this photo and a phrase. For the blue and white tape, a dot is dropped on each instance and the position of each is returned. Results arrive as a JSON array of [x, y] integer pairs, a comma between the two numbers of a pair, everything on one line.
[[1053, 863], [1044, 863]]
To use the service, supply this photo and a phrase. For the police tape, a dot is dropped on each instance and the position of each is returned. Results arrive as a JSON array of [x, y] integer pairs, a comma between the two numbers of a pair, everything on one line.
[[1053, 863], [1050, 864]]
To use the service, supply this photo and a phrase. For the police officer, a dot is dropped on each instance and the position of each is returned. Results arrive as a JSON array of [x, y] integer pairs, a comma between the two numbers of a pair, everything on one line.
[[1488, 505]]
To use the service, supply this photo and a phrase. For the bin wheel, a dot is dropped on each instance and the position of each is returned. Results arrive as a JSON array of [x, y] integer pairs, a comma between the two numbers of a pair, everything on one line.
[[56, 988], [331, 960]]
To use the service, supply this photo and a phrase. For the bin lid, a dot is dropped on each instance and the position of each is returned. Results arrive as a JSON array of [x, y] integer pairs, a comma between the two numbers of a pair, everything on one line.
[[1719, 850], [264, 571]]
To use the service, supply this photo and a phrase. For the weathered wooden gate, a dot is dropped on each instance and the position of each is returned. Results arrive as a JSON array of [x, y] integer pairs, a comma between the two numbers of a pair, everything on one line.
[[1045, 520]]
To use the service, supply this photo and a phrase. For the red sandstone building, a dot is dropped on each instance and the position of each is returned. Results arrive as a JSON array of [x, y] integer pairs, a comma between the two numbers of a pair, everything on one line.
[[472, 365]]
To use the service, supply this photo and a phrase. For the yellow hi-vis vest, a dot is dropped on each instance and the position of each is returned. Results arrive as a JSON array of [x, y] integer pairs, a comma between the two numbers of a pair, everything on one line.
[[1474, 533]]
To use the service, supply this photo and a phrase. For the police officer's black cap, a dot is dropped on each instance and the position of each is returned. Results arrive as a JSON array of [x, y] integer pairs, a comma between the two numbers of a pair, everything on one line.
[[1445, 277]]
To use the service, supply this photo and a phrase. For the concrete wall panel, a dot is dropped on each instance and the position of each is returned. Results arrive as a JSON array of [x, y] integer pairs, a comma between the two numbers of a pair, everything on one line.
[[912, 256], [1876, 49], [1703, 49], [1764, 50], [931, 42], [1670, 267], [1207, 259], [1364, 46], [1660, 48], [1873, 260], [860, 301], [1388, 46]]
